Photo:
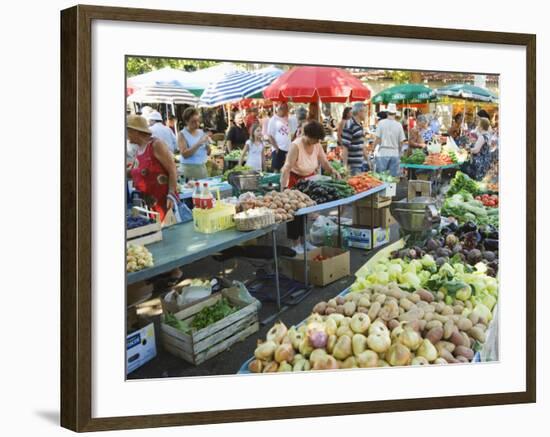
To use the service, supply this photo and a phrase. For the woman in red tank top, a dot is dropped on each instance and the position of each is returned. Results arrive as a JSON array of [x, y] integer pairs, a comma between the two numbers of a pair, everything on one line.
[[154, 171]]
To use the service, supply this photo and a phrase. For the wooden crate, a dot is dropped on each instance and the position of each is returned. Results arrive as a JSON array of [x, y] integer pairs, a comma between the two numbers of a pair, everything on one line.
[[147, 234], [202, 345], [377, 200]]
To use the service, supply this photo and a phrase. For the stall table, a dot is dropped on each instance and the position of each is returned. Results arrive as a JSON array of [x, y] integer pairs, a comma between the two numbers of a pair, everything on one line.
[[181, 245]]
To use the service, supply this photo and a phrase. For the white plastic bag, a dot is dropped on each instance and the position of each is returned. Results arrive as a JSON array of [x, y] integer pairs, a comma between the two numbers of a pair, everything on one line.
[[323, 228]]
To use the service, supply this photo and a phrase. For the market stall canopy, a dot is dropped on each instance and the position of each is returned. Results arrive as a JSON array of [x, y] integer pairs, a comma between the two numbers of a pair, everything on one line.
[[163, 75], [236, 86], [197, 81], [406, 93], [467, 92], [311, 84], [163, 94]]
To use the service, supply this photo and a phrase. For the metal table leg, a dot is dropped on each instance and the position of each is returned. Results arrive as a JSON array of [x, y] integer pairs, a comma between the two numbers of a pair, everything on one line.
[[305, 251], [278, 290], [339, 226], [371, 222]]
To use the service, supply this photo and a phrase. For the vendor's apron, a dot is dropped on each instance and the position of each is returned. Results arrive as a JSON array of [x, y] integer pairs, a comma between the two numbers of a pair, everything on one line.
[[295, 178]]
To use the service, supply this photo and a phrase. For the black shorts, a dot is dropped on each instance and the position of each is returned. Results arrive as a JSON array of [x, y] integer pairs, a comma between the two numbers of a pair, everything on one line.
[[278, 158]]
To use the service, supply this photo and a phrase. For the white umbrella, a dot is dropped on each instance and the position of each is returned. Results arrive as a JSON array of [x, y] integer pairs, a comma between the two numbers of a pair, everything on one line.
[[163, 75]]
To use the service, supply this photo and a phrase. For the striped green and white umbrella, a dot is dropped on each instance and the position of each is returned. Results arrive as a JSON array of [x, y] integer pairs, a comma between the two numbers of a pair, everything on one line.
[[467, 92], [406, 93]]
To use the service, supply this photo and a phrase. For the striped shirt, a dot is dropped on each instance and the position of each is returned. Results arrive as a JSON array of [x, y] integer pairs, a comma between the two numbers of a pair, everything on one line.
[[353, 139]]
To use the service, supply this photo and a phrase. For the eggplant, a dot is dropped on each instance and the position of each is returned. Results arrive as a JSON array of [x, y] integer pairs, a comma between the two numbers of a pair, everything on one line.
[[468, 227], [432, 244], [490, 244], [474, 256], [489, 256], [453, 227]]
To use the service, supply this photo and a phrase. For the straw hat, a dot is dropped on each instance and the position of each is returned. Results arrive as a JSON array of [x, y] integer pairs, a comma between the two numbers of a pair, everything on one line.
[[137, 122]]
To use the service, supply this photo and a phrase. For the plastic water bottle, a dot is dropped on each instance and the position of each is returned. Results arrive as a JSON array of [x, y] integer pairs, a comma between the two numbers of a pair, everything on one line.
[[328, 237], [196, 195], [207, 200]]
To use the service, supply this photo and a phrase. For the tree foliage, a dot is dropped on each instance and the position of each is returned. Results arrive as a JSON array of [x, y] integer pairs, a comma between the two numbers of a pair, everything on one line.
[[140, 65]]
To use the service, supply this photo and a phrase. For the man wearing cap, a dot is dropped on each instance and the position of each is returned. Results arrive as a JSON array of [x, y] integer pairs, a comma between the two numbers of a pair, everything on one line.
[[389, 141], [162, 132], [280, 130]]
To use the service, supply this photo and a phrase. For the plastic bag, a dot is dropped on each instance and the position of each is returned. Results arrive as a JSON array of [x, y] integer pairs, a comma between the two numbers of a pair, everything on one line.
[[322, 230], [239, 294], [181, 212], [451, 146]]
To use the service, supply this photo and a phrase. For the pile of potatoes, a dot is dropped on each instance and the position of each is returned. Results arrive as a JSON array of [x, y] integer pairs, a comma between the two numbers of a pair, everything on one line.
[[284, 204]]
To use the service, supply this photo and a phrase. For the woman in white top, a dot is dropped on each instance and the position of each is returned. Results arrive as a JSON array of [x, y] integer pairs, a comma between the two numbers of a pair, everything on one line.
[[255, 149]]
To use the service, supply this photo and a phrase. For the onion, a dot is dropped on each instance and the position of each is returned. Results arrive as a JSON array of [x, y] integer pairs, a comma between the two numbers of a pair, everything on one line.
[[284, 367], [284, 352], [398, 355], [255, 366], [427, 350], [379, 343], [277, 332], [265, 350], [271, 367], [410, 338], [318, 339]]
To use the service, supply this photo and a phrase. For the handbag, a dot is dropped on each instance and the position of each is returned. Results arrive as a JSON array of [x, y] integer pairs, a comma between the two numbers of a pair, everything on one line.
[[181, 212]]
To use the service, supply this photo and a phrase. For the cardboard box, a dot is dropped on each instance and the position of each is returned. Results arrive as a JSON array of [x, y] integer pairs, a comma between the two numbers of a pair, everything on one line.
[[140, 347], [360, 237], [362, 216], [138, 293], [391, 189], [320, 273], [376, 200]]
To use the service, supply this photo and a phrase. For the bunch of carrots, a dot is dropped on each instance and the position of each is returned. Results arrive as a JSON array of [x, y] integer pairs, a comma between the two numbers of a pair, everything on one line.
[[438, 159], [363, 182]]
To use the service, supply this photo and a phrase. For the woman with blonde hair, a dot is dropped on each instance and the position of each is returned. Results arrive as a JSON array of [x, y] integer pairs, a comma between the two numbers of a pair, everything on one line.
[[480, 152]]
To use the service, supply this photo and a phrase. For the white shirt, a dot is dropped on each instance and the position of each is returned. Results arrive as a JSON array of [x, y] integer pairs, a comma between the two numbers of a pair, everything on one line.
[[391, 135], [166, 135], [282, 130]]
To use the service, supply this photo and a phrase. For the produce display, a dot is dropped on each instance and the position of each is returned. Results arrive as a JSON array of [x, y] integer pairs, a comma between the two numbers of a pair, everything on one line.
[[321, 257], [439, 159], [464, 208], [416, 157], [137, 221], [463, 182], [205, 317], [339, 167], [490, 200], [384, 177], [379, 326], [138, 258], [284, 204], [237, 168], [234, 155], [323, 191], [363, 182], [254, 218], [467, 244], [335, 154]]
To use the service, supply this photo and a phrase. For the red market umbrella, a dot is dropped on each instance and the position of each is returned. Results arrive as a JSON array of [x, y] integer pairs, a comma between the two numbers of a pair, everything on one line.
[[311, 84]]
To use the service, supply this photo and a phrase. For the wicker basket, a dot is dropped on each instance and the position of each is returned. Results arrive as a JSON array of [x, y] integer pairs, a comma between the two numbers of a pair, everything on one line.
[[243, 223]]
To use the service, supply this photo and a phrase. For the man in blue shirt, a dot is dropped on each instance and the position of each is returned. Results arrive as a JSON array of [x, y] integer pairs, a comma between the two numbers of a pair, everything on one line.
[[162, 132]]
